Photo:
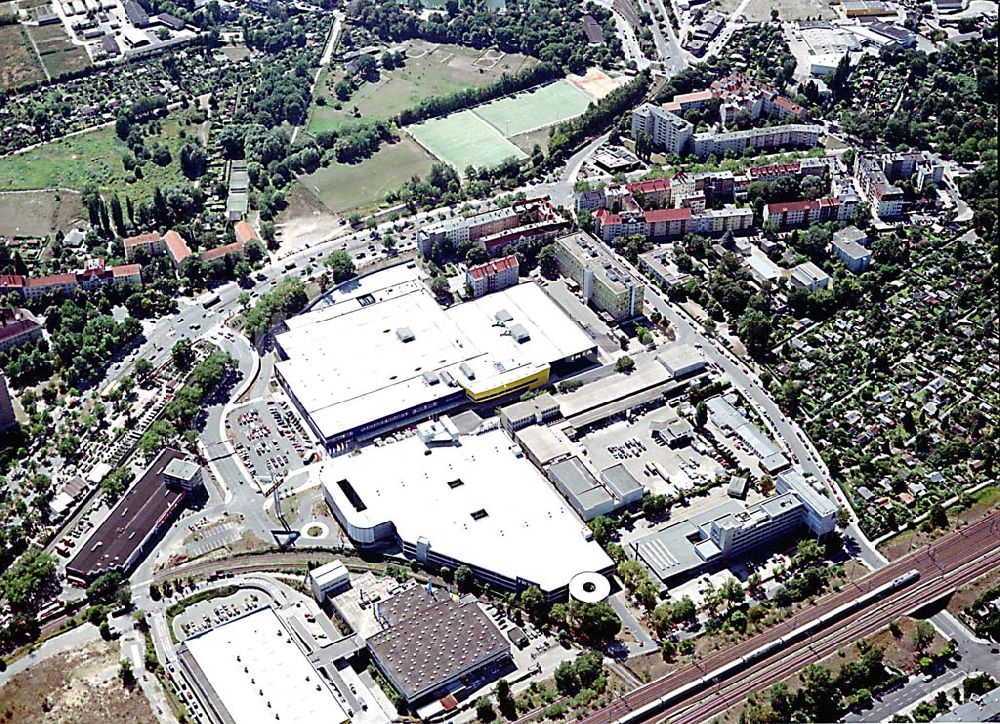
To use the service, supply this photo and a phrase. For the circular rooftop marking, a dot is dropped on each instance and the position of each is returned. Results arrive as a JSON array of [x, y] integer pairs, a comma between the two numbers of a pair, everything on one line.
[[589, 587]]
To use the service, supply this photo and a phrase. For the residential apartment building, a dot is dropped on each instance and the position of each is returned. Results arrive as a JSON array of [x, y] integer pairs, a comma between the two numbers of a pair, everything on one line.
[[524, 221], [795, 135], [659, 266], [17, 326], [660, 224], [154, 244], [7, 418], [789, 214], [603, 281], [877, 174], [668, 131], [492, 276], [92, 276]]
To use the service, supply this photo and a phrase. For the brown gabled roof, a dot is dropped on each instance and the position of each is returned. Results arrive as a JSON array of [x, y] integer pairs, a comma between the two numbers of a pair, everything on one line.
[[244, 232], [141, 239], [126, 270], [51, 280], [177, 247]]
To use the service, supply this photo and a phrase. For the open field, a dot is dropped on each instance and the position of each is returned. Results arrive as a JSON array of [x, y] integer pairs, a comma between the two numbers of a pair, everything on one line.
[[464, 139], [79, 685], [36, 214], [344, 187], [760, 10], [526, 141], [430, 71], [305, 221], [980, 504], [18, 62], [58, 53], [534, 109], [90, 157]]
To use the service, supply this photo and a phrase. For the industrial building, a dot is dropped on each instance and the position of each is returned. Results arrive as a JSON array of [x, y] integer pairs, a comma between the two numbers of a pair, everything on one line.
[[419, 359], [328, 579], [681, 360], [856, 257], [604, 282], [251, 670], [462, 499], [809, 276], [731, 530], [732, 422], [535, 411], [146, 510], [590, 496], [434, 646]]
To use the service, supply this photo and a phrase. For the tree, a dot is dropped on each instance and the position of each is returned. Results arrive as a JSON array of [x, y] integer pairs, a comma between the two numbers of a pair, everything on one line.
[[532, 600], [105, 587], [341, 266], [182, 353], [193, 160], [126, 674], [624, 364], [701, 415], [23, 583], [566, 680], [505, 699], [440, 286], [923, 635], [754, 328], [142, 368], [683, 610], [654, 506], [597, 621], [602, 528], [732, 591], [548, 261], [116, 483], [937, 516], [464, 578], [485, 711], [661, 619]]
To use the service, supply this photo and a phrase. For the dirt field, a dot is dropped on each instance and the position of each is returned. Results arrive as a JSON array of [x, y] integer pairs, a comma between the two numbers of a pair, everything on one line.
[[37, 214], [18, 62], [81, 686], [305, 222], [965, 596], [596, 83], [787, 9]]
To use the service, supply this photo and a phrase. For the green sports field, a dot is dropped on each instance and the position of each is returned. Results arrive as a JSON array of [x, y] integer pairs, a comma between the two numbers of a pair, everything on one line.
[[464, 139], [541, 107]]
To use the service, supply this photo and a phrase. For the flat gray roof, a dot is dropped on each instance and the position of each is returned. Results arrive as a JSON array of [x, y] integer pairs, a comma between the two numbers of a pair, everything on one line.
[[621, 482]]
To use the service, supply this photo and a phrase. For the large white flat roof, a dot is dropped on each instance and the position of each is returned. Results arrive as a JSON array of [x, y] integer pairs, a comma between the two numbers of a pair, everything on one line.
[[528, 531], [261, 643], [348, 363]]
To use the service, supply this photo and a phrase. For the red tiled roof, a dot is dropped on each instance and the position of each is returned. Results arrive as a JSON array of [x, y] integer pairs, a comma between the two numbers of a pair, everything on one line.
[[16, 328], [176, 245], [606, 217], [11, 281], [141, 239], [788, 105], [788, 206], [220, 251], [649, 186], [51, 280], [494, 266], [126, 270], [775, 169], [656, 215], [244, 232]]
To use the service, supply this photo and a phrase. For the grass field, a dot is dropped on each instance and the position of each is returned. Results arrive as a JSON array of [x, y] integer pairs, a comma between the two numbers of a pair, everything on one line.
[[541, 107], [58, 53], [430, 71], [90, 157], [464, 139], [344, 187], [760, 10], [18, 62]]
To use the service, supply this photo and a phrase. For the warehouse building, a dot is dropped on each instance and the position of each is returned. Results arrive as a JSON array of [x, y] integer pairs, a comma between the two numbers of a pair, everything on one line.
[[330, 578], [433, 646], [477, 502], [251, 670], [419, 360], [148, 508], [590, 497]]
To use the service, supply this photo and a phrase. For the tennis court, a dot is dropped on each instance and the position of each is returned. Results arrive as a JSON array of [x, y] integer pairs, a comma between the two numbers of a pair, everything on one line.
[[541, 107], [463, 139]]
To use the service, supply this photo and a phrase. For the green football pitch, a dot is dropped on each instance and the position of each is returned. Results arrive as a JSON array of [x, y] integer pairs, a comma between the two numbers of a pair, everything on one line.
[[464, 139], [538, 108]]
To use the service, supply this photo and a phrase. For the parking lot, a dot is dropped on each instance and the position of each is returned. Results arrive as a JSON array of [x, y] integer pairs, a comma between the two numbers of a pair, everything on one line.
[[661, 469], [268, 439], [208, 614]]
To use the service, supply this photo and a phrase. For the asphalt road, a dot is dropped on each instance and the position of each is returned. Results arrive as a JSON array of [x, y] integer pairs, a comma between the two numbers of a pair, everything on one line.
[[944, 565]]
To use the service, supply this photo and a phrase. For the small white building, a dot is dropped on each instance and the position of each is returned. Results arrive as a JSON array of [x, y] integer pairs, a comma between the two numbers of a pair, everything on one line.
[[329, 578]]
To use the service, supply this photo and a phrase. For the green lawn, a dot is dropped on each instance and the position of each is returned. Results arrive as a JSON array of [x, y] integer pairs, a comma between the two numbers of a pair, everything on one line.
[[449, 68], [464, 139], [541, 107], [345, 187], [90, 157]]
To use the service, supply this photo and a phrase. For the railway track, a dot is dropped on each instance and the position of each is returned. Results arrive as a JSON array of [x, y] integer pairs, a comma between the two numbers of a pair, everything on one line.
[[935, 562]]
